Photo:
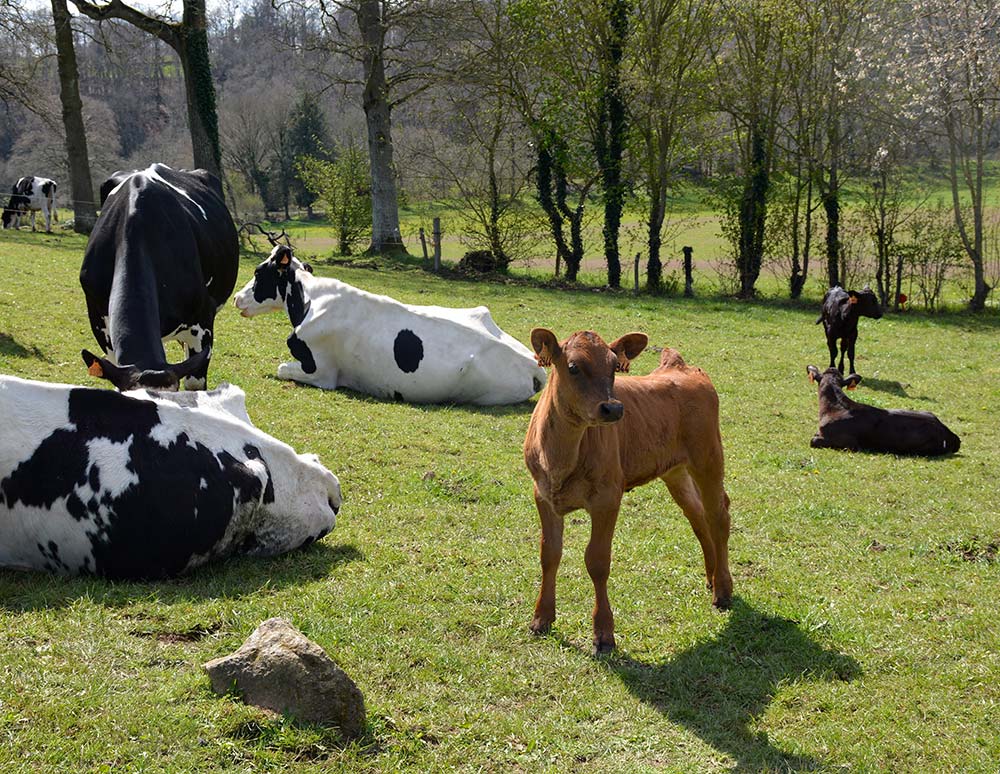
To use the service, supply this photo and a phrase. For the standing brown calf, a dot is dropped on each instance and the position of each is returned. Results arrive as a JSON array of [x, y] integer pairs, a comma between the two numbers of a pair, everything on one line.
[[591, 439]]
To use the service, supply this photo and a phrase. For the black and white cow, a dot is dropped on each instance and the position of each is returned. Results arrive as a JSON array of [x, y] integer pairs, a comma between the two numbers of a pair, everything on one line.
[[161, 260], [31, 194], [142, 486], [345, 337]]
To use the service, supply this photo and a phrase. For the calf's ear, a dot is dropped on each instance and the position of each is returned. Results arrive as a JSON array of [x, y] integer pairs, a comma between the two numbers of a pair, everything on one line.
[[546, 346], [852, 381], [628, 347], [813, 372], [122, 377]]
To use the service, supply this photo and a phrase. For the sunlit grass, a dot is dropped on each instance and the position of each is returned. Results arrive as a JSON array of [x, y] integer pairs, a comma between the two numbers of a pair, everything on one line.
[[863, 638]]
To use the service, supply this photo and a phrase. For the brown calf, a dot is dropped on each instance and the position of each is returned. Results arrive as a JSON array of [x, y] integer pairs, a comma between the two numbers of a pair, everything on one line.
[[591, 439]]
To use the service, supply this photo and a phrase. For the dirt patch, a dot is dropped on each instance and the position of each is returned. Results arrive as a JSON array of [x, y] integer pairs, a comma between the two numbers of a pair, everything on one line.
[[973, 549], [194, 634]]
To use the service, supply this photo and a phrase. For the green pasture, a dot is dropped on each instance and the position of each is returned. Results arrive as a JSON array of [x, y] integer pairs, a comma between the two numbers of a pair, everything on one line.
[[863, 637]]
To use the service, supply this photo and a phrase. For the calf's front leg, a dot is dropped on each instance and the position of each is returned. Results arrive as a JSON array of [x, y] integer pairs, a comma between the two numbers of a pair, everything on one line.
[[551, 547], [598, 558]]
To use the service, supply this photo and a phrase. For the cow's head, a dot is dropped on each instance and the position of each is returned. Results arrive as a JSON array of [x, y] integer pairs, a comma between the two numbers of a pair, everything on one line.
[[865, 302], [268, 291], [129, 377], [583, 372], [14, 208], [831, 378]]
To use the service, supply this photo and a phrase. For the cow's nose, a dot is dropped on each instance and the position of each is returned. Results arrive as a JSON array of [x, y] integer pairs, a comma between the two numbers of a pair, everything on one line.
[[611, 411], [333, 506]]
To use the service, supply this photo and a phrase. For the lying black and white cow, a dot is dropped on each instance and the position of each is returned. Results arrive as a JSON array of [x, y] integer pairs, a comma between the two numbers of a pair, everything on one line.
[[31, 194], [345, 337], [141, 486], [161, 260], [846, 424]]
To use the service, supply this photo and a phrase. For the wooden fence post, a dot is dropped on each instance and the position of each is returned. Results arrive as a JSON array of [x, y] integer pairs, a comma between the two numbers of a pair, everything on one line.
[[688, 279], [635, 288], [437, 244], [423, 244]]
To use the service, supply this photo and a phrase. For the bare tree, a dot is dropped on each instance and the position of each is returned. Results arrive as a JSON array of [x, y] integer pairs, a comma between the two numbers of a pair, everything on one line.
[[189, 39], [81, 185]]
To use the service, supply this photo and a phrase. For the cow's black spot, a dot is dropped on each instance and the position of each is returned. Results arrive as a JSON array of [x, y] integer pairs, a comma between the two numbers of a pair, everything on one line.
[[536, 383], [181, 506], [295, 301], [253, 453], [95, 478], [408, 350], [397, 395], [301, 352], [269, 283]]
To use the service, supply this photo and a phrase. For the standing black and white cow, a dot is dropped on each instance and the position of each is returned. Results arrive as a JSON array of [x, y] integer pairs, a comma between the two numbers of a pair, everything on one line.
[[148, 486], [345, 337], [31, 194], [162, 259]]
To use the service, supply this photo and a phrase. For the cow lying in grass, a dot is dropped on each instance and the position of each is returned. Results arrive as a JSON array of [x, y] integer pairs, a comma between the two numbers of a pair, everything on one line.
[[846, 424], [345, 337], [591, 438], [138, 485]]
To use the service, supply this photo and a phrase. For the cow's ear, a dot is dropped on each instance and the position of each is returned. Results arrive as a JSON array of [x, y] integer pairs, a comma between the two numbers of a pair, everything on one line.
[[546, 346], [852, 381], [308, 267], [852, 297], [122, 377], [813, 372], [628, 347]]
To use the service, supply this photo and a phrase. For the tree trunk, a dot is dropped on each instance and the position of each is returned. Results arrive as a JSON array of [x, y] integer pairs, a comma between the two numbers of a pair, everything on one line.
[[203, 121], [543, 180], [81, 185], [657, 213], [753, 213], [610, 140], [378, 116]]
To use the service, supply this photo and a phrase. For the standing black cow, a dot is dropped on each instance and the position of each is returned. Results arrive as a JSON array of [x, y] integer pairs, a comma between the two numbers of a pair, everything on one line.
[[839, 315], [162, 259]]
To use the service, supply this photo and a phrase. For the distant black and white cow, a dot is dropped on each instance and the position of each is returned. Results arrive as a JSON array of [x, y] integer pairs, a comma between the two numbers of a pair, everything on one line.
[[345, 337], [31, 194], [141, 486], [846, 424], [161, 260], [839, 315]]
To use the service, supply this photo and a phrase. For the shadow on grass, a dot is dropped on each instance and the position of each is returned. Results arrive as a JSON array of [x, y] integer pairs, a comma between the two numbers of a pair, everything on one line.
[[718, 687], [886, 385], [235, 577], [13, 348], [511, 409]]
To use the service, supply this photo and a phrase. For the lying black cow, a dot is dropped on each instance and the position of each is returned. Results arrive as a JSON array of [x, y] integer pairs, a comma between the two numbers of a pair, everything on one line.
[[162, 259], [845, 424], [839, 315]]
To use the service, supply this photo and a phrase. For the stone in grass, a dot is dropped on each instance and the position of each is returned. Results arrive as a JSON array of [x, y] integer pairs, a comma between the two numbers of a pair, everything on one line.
[[281, 669]]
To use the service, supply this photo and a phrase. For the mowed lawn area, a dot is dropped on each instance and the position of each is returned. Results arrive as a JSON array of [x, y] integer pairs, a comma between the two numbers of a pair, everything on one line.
[[863, 637]]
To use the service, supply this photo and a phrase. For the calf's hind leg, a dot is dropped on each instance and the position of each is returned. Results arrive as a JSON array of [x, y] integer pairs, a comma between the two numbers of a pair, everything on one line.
[[686, 495], [716, 504]]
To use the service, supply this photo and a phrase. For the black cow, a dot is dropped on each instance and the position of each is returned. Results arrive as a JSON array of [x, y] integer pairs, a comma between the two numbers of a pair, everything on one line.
[[31, 195], [839, 315], [162, 259], [846, 424]]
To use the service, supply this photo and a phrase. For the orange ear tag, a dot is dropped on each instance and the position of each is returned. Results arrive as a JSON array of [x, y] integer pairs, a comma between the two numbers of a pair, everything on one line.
[[95, 369]]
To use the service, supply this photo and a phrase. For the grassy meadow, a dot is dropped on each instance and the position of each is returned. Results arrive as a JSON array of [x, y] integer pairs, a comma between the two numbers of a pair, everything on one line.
[[863, 636]]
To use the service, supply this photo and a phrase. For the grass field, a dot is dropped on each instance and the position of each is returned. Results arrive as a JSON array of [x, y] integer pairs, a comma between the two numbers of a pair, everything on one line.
[[863, 637]]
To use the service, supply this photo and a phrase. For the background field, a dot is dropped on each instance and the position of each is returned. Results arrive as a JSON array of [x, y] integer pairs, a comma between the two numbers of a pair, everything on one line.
[[863, 638]]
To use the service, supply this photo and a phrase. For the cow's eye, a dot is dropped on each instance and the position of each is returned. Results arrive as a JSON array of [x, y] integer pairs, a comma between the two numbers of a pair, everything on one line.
[[573, 368]]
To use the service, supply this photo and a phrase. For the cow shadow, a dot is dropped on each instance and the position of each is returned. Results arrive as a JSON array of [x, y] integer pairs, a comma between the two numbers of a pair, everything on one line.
[[11, 347], [22, 591], [885, 385], [718, 687]]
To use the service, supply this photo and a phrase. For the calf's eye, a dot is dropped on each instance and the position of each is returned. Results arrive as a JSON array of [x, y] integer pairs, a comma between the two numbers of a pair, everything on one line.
[[573, 368]]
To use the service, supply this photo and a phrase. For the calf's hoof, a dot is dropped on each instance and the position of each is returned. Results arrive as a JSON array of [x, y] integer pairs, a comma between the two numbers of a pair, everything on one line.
[[723, 602], [540, 626], [604, 646]]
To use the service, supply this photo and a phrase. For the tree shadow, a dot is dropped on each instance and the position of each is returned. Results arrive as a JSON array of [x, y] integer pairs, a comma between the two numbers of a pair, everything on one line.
[[718, 687], [22, 591], [11, 347]]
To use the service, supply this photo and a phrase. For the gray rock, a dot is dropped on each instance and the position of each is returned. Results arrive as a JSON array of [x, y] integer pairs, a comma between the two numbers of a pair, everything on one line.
[[281, 669]]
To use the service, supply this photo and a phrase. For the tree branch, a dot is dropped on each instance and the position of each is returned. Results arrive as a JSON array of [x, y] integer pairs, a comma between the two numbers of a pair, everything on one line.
[[116, 9]]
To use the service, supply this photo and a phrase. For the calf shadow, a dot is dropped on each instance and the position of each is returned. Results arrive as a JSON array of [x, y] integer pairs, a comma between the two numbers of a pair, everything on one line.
[[885, 385], [716, 688], [23, 591], [11, 347]]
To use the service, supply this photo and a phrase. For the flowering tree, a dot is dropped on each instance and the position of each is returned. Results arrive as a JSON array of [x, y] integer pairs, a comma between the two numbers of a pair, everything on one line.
[[949, 75]]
